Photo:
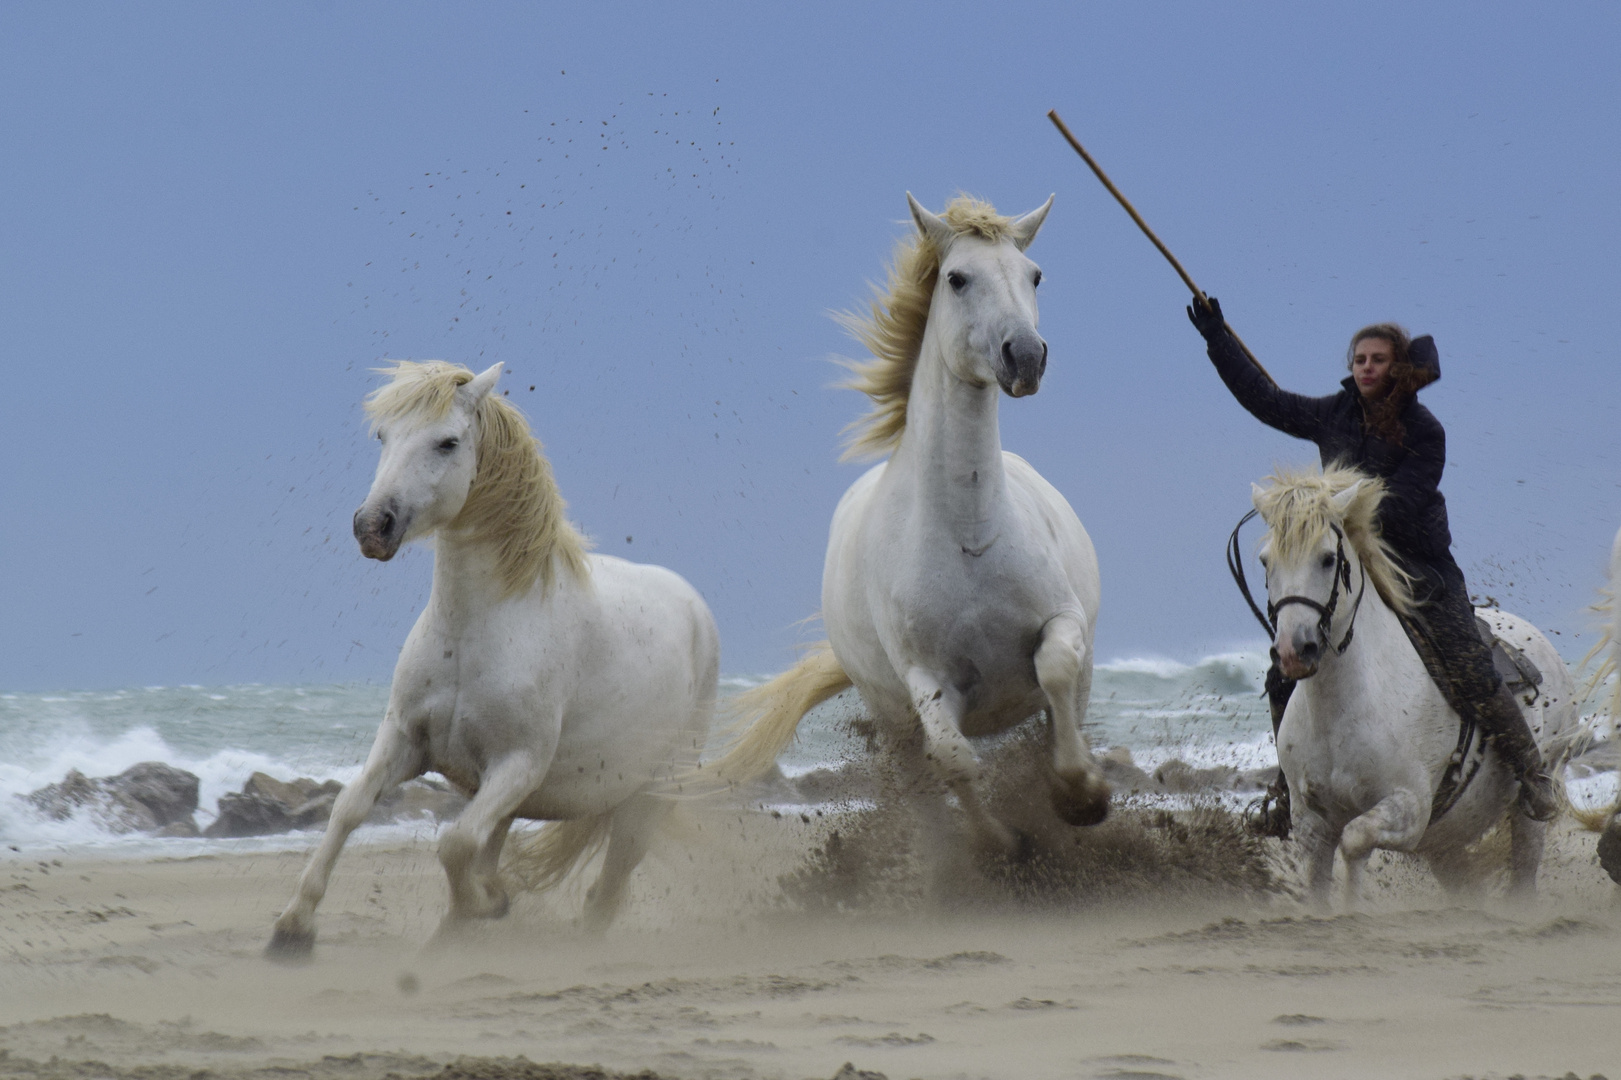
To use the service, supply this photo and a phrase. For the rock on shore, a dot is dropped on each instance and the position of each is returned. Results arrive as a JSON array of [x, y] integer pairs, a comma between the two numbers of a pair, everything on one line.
[[161, 800]]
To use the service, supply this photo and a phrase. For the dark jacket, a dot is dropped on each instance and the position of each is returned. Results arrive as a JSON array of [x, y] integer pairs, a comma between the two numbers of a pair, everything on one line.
[[1413, 516]]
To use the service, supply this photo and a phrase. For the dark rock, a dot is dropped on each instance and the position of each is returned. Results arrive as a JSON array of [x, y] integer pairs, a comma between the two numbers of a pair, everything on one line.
[[242, 814], [292, 794], [143, 798], [186, 829], [308, 815], [850, 1072], [1180, 778], [170, 793]]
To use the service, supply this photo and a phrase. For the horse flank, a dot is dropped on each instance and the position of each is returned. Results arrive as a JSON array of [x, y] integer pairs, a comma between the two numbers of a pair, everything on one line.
[[893, 331], [1297, 512], [513, 505]]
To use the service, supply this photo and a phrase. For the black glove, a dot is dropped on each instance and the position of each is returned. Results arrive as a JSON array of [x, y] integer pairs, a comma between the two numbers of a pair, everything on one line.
[[1208, 321]]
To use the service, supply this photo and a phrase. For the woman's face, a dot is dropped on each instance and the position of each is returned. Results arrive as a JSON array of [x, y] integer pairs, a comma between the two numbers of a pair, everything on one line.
[[1370, 364]]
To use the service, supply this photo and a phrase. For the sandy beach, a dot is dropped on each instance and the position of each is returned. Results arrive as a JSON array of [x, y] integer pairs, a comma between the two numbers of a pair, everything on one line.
[[153, 967]]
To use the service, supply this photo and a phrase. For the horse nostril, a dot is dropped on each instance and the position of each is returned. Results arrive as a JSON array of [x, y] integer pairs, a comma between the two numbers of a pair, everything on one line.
[[385, 522], [1007, 353], [1044, 358], [1308, 652]]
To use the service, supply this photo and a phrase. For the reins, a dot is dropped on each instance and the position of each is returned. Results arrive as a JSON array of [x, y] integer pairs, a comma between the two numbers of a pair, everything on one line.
[[1460, 770], [1325, 612]]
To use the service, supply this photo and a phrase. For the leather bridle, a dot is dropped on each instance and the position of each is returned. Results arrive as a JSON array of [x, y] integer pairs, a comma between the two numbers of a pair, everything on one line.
[[1325, 612]]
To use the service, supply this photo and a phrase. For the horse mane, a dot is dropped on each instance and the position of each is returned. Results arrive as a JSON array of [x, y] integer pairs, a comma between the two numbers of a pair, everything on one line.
[[513, 504], [893, 331], [1295, 506]]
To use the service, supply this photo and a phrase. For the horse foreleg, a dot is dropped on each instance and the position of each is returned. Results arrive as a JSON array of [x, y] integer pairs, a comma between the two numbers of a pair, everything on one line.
[[1396, 823], [951, 759], [470, 848], [1081, 796], [629, 834], [1312, 832], [393, 760]]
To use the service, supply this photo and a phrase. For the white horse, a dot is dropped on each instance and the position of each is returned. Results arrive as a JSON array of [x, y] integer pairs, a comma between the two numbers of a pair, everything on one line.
[[1367, 736], [1609, 845], [543, 682], [960, 592]]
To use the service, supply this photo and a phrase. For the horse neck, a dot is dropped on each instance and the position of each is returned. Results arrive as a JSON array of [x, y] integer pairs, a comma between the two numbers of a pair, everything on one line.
[[1362, 670], [466, 571], [952, 447]]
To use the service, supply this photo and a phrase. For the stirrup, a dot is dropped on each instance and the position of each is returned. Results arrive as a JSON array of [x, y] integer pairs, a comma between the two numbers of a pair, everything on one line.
[[1537, 799], [1268, 815]]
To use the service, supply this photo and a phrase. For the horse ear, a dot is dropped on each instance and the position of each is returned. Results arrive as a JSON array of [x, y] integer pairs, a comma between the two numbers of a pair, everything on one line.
[[1026, 227], [483, 383], [1257, 493], [1341, 503], [932, 226]]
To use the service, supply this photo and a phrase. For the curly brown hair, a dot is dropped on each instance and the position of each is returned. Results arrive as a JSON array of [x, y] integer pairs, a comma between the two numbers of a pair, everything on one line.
[[1403, 381]]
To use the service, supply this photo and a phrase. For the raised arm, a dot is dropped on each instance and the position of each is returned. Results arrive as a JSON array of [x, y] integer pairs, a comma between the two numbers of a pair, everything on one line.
[[1292, 414]]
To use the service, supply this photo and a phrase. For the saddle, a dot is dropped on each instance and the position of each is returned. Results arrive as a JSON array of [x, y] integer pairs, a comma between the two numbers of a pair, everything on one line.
[[1519, 673]]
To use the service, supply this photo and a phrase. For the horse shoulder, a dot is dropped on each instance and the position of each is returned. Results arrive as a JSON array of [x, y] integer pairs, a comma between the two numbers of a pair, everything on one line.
[[1050, 517]]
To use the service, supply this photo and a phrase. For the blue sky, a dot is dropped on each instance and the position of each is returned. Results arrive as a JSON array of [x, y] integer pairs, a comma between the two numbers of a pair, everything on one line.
[[215, 219]]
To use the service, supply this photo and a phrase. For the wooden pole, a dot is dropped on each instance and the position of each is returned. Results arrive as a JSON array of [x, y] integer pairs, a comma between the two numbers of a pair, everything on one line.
[[1198, 294]]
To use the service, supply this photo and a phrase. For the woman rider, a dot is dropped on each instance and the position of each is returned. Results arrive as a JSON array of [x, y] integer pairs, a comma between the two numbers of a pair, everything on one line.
[[1375, 423]]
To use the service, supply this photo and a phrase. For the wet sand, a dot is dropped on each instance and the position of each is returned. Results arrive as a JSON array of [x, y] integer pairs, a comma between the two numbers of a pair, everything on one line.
[[153, 968]]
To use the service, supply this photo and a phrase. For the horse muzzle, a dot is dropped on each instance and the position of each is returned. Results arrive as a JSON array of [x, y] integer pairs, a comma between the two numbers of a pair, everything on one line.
[[1299, 655], [379, 531], [1022, 363]]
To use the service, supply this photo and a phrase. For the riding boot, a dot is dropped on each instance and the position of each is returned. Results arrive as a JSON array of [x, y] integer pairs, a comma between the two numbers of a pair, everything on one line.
[[1500, 719], [1269, 814]]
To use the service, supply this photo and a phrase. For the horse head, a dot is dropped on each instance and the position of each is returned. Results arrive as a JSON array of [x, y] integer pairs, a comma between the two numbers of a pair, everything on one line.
[[984, 302], [427, 421], [1314, 573]]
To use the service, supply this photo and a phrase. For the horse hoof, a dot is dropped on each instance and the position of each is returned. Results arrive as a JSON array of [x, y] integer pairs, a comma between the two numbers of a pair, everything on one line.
[[1609, 849], [1080, 803], [290, 945]]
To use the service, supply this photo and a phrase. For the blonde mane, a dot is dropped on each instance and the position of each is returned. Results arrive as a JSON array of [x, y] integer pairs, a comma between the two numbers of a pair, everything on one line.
[[1295, 506], [893, 331], [513, 504]]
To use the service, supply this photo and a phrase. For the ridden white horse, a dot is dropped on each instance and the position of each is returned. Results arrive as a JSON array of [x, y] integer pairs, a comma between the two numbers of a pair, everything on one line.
[[543, 682], [960, 592], [1367, 737]]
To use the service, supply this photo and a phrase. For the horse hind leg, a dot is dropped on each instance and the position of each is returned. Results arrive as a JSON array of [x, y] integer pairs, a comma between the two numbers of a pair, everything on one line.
[[393, 760], [630, 832], [1081, 795], [1526, 839], [470, 848], [951, 759]]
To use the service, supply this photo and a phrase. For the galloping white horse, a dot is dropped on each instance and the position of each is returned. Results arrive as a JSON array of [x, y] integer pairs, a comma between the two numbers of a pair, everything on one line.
[[543, 682], [960, 592], [1367, 737], [1609, 845]]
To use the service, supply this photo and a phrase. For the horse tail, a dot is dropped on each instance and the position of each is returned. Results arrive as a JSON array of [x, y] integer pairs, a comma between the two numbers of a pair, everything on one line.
[[543, 859], [768, 715]]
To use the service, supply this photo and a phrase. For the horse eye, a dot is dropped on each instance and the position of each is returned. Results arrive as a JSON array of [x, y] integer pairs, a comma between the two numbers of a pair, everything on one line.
[[1328, 562], [957, 280], [448, 445], [1035, 281]]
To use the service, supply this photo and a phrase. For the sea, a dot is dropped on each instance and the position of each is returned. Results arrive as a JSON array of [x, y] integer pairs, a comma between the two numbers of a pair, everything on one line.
[[1208, 713]]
